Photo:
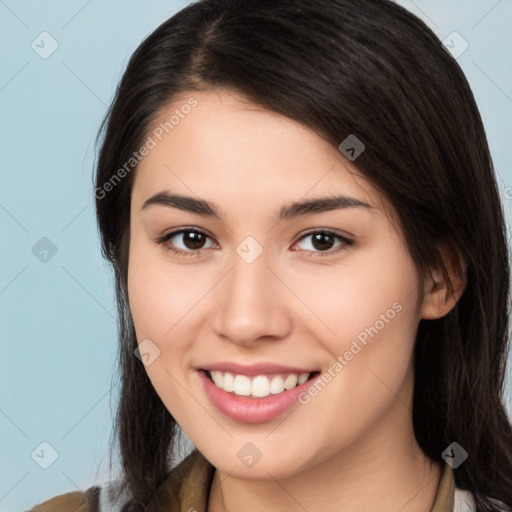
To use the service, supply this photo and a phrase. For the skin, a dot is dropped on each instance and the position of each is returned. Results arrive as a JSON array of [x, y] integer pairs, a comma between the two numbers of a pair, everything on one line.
[[352, 447]]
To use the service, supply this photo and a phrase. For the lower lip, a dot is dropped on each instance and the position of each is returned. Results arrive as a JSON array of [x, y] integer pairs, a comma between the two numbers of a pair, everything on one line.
[[252, 410]]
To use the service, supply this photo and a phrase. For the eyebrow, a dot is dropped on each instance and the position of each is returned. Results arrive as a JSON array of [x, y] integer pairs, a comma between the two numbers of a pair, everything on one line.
[[297, 209]]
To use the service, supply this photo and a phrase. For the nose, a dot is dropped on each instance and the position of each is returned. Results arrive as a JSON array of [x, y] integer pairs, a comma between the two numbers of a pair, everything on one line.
[[251, 304]]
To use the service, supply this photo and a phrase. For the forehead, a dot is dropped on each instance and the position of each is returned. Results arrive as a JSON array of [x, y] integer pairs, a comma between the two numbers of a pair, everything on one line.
[[225, 145]]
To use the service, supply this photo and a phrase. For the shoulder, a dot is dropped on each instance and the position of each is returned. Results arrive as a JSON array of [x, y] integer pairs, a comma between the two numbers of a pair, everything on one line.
[[77, 501], [188, 480], [98, 498]]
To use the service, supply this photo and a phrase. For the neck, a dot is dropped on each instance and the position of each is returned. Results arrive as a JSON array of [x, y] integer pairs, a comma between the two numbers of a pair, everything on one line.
[[383, 471]]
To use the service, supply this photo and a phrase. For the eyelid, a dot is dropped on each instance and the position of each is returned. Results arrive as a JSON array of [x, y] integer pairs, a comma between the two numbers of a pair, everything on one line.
[[332, 231]]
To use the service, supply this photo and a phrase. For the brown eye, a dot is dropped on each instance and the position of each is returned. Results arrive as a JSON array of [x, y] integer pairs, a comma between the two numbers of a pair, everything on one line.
[[193, 239], [186, 241], [323, 241]]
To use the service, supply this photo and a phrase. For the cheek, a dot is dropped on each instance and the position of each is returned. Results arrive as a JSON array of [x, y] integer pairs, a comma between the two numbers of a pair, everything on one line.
[[160, 294], [164, 300], [157, 303], [373, 290], [369, 317]]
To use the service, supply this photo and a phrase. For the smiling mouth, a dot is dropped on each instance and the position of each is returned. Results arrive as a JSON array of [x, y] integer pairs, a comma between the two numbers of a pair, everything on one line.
[[258, 386]]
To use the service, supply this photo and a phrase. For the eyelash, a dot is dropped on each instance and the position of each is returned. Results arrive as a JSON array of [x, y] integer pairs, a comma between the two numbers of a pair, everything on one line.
[[197, 253]]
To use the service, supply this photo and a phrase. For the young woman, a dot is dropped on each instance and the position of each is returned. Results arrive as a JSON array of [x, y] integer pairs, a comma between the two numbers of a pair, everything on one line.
[[298, 201]]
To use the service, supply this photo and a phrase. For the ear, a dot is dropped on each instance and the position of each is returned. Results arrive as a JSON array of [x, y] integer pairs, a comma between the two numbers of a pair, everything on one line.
[[437, 300]]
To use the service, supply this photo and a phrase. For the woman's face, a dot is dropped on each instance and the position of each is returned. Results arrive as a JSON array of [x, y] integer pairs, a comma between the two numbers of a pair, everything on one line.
[[253, 288]]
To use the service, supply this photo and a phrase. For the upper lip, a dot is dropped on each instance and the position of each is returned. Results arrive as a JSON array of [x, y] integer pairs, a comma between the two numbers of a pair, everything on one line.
[[254, 369]]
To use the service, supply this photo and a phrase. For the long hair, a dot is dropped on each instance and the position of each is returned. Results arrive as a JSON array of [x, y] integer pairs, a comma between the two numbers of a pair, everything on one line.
[[342, 67]]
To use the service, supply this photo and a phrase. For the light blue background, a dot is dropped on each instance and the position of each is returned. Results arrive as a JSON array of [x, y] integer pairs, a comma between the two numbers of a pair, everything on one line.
[[58, 318]]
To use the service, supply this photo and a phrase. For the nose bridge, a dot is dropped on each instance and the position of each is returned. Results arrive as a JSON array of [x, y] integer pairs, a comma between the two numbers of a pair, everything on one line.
[[252, 303]]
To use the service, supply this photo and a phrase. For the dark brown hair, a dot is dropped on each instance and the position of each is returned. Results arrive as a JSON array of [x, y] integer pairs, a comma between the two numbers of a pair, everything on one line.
[[370, 68]]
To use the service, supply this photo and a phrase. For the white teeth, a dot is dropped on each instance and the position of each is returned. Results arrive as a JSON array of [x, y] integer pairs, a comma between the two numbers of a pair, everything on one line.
[[291, 381], [242, 385], [217, 378], [228, 383], [303, 377], [277, 385], [259, 386]]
